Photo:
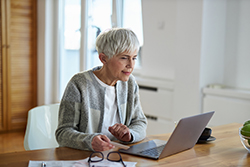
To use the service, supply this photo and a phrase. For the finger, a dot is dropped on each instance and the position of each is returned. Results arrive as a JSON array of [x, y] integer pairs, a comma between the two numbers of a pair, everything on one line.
[[113, 129], [124, 132], [120, 131], [105, 138], [105, 142], [102, 147], [101, 143], [107, 145]]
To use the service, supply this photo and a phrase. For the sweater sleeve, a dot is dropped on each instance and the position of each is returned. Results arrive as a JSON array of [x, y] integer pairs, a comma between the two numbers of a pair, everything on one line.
[[136, 120], [67, 133]]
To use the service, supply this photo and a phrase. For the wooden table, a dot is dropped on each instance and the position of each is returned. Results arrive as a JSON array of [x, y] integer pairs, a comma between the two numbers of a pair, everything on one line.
[[226, 150]]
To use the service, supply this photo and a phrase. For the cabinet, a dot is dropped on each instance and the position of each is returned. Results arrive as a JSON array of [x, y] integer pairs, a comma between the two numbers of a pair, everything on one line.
[[156, 98], [157, 106], [230, 105], [18, 62]]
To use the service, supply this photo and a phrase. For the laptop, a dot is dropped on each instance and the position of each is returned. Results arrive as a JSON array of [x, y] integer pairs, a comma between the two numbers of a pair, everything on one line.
[[184, 137]]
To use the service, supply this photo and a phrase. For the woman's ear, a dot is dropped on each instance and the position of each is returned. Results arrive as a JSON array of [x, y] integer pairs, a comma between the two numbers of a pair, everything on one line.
[[103, 58]]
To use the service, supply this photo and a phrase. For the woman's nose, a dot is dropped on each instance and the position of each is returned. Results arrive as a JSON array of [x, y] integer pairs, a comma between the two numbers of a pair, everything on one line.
[[131, 63]]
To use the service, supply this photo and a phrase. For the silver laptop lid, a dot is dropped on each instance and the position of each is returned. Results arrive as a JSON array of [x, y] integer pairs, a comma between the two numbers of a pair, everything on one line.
[[186, 133]]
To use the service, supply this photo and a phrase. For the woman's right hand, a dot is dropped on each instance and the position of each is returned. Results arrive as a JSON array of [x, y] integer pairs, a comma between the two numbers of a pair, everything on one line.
[[101, 143]]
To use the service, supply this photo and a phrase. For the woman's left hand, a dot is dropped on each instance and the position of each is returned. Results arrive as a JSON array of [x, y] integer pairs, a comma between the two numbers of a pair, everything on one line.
[[121, 132]]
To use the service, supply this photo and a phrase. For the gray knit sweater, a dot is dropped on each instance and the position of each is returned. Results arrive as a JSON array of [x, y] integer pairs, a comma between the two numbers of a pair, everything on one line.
[[82, 109]]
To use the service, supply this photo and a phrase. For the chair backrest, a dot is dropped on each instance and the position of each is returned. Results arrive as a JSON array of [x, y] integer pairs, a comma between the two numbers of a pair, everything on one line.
[[41, 125]]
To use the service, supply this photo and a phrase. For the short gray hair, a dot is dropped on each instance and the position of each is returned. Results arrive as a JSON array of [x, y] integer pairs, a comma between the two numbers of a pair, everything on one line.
[[117, 40]]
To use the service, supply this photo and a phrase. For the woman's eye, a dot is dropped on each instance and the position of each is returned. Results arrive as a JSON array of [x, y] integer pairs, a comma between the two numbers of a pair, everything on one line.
[[126, 58]]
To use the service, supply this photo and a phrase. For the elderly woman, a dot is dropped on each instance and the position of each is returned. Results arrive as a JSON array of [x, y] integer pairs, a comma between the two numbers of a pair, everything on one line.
[[103, 104]]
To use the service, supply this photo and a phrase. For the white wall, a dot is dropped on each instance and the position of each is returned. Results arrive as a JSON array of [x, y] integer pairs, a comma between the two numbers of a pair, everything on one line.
[[237, 55], [225, 43], [213, 42], [172, 47], [226, 57], [159, 26], [171, 55], [187, 58], [193, 44]]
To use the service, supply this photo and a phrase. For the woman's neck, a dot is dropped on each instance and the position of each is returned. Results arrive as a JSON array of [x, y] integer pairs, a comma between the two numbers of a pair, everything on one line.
[[104, 77]]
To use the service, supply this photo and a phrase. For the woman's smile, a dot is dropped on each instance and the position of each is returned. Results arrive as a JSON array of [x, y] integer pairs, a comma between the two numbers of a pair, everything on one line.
[[126, 73]]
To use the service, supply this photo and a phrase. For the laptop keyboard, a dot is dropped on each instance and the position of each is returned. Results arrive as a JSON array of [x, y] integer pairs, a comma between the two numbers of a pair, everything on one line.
[[153, 151]]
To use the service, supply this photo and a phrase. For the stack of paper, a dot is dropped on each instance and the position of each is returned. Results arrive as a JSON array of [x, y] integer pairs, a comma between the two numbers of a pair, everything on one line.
[[80, 163]]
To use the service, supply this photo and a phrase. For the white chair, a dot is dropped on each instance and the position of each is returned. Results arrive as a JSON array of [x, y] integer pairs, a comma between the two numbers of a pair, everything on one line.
[[41, 125]]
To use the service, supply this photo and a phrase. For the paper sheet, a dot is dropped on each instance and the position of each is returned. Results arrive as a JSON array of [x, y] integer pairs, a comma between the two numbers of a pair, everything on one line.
[[119, 145], [80, 163]]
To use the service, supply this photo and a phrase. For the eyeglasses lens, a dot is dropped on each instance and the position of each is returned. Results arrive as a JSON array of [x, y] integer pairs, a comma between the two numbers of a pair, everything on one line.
[[115, 157], [96, 157]]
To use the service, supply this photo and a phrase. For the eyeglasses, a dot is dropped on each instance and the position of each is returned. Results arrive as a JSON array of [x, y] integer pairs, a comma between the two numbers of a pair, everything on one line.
[[113, 156]]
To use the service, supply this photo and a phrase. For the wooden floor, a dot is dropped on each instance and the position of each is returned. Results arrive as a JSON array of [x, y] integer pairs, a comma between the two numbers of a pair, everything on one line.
[[11, 142]]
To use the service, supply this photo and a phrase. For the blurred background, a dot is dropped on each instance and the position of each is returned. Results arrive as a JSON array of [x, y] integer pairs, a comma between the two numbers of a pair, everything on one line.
[[194, 55]]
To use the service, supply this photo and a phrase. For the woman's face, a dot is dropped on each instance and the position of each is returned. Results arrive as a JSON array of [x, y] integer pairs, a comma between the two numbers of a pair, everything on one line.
[[121, 66]]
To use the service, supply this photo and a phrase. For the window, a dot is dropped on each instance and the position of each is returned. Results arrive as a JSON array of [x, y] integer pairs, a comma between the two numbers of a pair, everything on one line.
[[69, 43], [101, 15], [132, 18], [98, 21]]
